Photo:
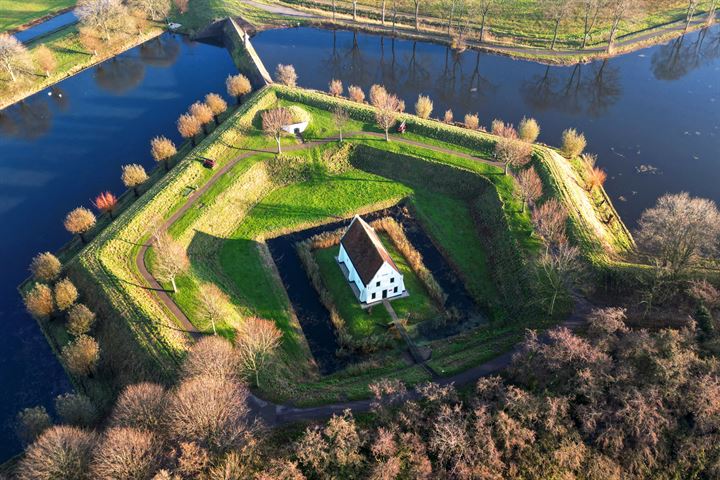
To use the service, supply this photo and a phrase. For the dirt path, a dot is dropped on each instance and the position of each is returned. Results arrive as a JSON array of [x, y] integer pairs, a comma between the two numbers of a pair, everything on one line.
[[275, 414]]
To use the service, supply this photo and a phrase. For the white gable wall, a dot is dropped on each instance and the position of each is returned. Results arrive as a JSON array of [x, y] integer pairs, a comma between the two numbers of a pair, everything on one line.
[[387, 280]]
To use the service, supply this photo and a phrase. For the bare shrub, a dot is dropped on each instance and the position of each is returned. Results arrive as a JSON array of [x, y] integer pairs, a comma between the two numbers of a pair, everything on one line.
[[140, 406], [335, 88], [91, 41], [528, 130], [79, 222], [387, 106], [59, 453], [573, 143], [211, 356], [529, 186], [126, 453], [203, 113], [162, 150], [210, 411], [356, 94], [217, 105], [679, 230], [31, 423], [79, 319], [273, 122], [45, 267], [106, 202], [333, 450], [423, 106], [189, 126], [512, 152], [549, 220], [341, 117], [133, 176], [194, 460], [76, 409], [595, 178], [65, 294], [560, 267], [502, 129], [237, 86], [256, 343], [81, 355], [14, 56], [213, 302], [285, 74], [448, 117], [39, 301], [171, 259], [472, 121], [45, 59], [705, 293]]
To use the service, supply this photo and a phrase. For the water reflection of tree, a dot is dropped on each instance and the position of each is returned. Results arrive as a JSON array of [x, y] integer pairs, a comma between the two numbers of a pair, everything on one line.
[[582, 89], [683, 55], [119, 75], [162, 51], [27, 120]]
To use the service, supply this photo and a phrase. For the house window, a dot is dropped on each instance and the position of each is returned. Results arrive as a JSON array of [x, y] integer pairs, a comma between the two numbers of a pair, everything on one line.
[[373, 296], [377, 284], [392, 279], [395, 291]]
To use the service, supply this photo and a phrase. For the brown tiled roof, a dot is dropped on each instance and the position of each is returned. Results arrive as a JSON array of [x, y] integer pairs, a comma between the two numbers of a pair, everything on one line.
[[365, 250]]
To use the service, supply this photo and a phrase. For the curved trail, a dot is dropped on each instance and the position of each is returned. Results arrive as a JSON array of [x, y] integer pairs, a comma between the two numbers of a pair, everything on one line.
[[274, 414]]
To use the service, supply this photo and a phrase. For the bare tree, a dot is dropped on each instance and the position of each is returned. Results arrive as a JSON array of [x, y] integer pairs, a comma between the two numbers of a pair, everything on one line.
[[690, 13], [81, 355], [619, 11], [133, 176], [273, 122], [416, 3], [217, 105], [140, 406], [560, 268], [711, 12], [340, 118], [31, 423], [203, 113], [590, 11], [237, 86], [556, 11], [213, 356], [46, 59], [530, 186], [679, 230], [189, 126], [65, 294], [354, 7], [512, 152], [387, 106], [573, 143], [103, 15], [162, 150], [153, 9], [423, 106], [76, 409], [171, 259], [286, 75], [213, 304], [79, 222], [356, 94], [210, 411], [39, 301], [14, 57], [485, 8], [59, 453], [549, 220], [126, 453], [45, 267], [256, 342], [335, 87], [80, 320], [106, 202]]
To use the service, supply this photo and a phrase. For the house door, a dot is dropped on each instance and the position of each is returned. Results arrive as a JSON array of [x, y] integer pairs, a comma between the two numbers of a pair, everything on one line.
[[384, 293]]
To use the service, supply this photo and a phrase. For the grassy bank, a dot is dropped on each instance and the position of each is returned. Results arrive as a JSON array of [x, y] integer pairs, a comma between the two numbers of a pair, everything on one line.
[[15, 13]]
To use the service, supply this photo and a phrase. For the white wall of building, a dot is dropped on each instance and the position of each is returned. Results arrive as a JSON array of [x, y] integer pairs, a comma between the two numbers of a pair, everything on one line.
[[387, 280]]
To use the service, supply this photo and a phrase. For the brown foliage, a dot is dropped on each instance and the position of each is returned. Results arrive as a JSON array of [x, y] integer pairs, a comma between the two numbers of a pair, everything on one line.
[[332, 450], [256, 343], [90, 40], [188, 125], [549, 220], [573, 143], [356, 94], [45, 59], [502, 129], [59, 453], [153, 9], [285, 74], [39, 301], [79, 221], [528, 130], [423, 106], [210, 411], [45, 267], [65, 294], [448, 117], [140, 406], [106, 202], [76, 409], [529, 186], [202, 112], [705, 293], [595, 178], [211, 356], [81, 355], [472, 121], [133, 176], [31, 423], [193, 461], [387, 106], [238, 85], [335, 87], [162, 149], [216, 103], [126, 453]]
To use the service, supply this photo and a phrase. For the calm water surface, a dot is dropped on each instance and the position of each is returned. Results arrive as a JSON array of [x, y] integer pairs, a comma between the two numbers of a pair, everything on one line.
[[50, 25], [59, 149], [653, 117]]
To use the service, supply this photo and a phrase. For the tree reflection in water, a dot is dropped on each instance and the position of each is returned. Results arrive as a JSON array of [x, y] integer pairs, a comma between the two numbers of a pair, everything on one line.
[[681, 56], [161, 52], [27, 120], [119, 75]]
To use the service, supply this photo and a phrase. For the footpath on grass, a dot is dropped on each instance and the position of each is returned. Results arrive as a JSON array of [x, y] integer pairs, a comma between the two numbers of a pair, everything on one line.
[[273, 414]]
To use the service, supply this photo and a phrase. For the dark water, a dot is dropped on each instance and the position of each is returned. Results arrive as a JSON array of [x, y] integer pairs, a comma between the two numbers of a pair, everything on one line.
[[46, 27], [59, 149], [653, 117]]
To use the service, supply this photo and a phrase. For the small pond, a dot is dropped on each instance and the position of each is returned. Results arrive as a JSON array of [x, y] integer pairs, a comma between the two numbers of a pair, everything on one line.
[[653, 116], [60, 148]]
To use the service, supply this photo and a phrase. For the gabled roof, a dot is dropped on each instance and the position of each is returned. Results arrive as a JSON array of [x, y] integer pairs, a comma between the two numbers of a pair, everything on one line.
[[365, 249]]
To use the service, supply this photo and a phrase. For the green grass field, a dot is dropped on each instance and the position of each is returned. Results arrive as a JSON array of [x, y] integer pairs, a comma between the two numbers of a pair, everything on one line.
[[16, 13]]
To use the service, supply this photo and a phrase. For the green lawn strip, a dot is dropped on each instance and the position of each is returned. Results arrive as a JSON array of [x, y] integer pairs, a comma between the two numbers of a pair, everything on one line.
[[16, 13]]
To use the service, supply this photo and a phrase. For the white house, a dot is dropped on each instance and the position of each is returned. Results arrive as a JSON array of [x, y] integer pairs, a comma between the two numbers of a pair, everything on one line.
[[367, 265]]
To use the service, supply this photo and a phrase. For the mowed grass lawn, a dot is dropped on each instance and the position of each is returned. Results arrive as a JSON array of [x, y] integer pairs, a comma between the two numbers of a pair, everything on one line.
[[16, 13], [361, 323]]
